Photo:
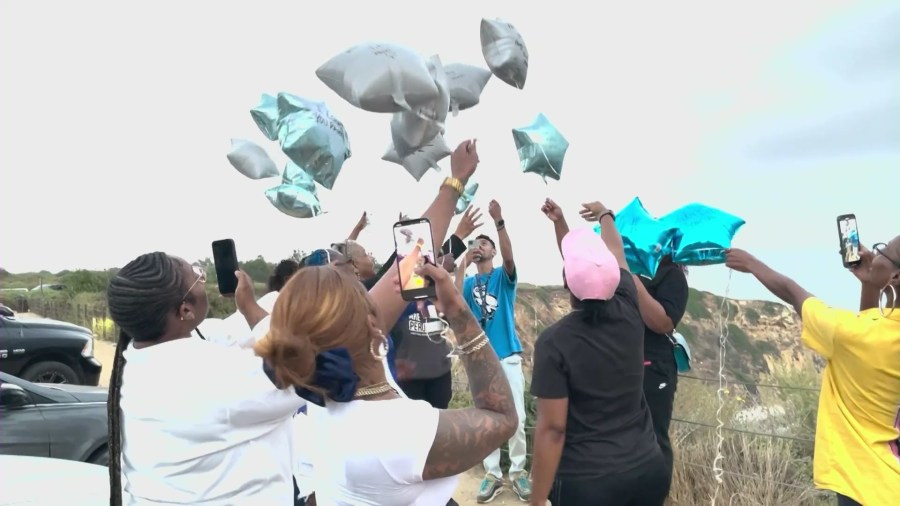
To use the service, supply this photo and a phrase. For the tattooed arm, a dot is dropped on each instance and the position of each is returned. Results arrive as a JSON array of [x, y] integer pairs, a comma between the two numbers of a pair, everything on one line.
[[466, 436]]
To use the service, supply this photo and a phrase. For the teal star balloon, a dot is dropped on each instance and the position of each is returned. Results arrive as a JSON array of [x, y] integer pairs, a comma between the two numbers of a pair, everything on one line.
[[646, 239], [541, 148], [468, 195], [294, 175], [703, 233]]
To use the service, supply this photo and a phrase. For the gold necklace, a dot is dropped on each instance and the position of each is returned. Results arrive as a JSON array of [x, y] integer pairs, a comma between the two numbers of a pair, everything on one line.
[[376, 389]]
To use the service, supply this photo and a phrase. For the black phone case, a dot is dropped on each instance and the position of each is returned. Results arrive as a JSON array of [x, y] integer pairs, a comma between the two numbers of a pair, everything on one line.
[[226, 263]]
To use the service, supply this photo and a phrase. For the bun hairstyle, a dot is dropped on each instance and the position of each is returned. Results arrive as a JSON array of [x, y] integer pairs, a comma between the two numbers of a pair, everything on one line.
[[319, 309]]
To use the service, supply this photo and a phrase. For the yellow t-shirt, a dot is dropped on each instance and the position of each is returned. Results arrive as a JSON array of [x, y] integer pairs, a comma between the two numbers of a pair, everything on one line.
[[858, 427]]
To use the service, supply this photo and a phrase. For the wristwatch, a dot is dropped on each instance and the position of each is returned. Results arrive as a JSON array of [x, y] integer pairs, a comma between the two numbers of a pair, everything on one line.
[[604, 213], [500, 224]]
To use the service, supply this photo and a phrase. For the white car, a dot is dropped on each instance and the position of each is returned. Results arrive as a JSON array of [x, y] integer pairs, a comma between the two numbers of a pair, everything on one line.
[[40, 481]]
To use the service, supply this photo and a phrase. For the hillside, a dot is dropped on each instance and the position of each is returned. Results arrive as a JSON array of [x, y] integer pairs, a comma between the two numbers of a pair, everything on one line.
[[760, 333]]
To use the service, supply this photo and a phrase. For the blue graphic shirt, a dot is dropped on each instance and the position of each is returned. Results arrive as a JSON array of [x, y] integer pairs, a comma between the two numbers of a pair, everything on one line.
[[492, 297]]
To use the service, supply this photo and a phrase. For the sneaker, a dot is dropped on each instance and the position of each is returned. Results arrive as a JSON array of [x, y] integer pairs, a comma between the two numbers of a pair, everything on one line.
[[490, 488], [521, 485]]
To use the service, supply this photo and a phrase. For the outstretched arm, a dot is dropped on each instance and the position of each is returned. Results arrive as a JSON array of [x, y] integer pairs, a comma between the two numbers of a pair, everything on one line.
[[595, 211], [359, 227], [506, 252], [780, 285], [560, 226], [462, 165], [466, 436]]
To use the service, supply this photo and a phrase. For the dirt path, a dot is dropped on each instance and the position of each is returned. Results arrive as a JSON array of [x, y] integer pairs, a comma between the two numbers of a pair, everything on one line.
[[468, 482]]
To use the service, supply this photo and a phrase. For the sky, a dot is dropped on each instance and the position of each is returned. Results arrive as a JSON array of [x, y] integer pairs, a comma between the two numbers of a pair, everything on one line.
[[116, 119]]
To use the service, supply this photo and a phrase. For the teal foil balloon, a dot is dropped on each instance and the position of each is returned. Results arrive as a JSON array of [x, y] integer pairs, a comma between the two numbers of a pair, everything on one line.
[[312, 137], [541, 148], [266, 116], [294, 175], [703, 234], [294, 201], [646, 239], [468, 195]]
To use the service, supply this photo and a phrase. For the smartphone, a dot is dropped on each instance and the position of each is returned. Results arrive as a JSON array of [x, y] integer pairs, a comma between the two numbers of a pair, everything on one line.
[[848, 234], [225, 258], [414, 244]]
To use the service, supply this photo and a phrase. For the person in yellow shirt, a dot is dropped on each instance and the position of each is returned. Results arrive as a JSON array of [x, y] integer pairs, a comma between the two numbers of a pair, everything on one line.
[[857, 453]]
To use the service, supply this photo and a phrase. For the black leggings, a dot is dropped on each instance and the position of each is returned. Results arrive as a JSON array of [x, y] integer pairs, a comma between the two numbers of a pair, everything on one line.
[[436, 391], [661, 401], [646, 485]]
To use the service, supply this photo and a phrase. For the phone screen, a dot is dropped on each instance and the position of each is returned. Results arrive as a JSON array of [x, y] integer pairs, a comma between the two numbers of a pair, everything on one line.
[[415, 246], [225, 258], [848, 232]]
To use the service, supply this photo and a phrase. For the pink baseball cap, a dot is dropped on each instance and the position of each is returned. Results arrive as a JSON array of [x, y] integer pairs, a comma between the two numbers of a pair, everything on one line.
[[591, 270]]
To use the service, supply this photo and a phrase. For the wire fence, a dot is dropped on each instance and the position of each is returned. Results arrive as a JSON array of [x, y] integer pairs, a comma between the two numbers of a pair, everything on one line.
[[683, 425]]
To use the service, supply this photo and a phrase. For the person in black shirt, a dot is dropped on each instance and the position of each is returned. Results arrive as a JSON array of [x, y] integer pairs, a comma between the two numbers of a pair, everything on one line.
[[594, 441], [663, 301]]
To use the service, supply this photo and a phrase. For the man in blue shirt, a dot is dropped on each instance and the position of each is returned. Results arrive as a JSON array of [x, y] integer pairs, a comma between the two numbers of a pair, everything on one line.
[[491, 295]]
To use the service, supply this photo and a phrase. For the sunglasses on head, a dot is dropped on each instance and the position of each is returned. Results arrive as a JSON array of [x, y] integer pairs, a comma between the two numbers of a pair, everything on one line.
[[322, 257]]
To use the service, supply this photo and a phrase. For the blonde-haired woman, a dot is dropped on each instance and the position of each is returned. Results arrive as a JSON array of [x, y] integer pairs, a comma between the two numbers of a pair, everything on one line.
[[858, 425], [381, 448]]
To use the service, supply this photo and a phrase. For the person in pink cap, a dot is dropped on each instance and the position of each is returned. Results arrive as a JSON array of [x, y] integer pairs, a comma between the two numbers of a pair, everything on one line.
[[594, 441]]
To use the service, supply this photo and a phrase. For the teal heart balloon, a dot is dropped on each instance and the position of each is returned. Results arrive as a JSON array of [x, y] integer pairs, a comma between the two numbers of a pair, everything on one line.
[[541, 148], [312, 137], [646, 239], [265, 115], [468, 195], [703, 233], [294, 175], [294, 201]]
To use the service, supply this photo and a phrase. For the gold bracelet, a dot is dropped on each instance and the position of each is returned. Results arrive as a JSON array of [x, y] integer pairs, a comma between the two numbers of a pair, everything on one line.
[[475, 348], [473, 340], [454, 183]]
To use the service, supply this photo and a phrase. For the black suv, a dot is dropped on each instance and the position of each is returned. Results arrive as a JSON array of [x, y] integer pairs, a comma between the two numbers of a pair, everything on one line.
[[47, 351]]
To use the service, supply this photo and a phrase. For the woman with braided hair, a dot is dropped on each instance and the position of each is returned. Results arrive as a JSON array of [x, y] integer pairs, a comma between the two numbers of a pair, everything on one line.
[[190, 422]]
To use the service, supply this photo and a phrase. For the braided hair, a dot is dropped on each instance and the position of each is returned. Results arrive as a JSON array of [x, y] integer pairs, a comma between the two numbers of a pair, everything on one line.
[[140, 297]]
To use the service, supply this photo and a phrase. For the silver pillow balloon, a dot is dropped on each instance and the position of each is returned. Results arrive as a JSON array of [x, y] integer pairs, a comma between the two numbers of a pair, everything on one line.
[[504, 51], [294, 201], [410, 130], [426, 157], [466, 84], [312, 137], [294, 175], [251, 160], [266, 116], [468, 195], [380, 77]]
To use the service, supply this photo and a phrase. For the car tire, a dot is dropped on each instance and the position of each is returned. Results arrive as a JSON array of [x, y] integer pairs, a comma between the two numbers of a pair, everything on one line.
[[100, 457], [50, 372]]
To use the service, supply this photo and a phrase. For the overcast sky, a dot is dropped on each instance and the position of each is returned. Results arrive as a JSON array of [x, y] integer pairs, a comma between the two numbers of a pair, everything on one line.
[[116, 120]]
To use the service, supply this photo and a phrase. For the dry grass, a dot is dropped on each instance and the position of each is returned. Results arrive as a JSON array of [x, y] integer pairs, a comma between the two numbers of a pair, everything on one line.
[[765, 461]]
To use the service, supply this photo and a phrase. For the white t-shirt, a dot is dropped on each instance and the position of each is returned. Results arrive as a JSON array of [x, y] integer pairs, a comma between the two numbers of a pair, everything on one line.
[[374, 452], [203, 424]]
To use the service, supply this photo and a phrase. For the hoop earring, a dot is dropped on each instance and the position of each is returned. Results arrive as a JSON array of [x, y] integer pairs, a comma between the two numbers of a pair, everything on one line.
[[882, 295], [382, 348]]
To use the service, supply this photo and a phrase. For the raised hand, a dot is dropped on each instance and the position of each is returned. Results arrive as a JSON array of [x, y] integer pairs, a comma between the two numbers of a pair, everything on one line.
[[363, 221], [739, 260], [464, 160], [495, 211], [552, 211], [592, 211], [468, 223]]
